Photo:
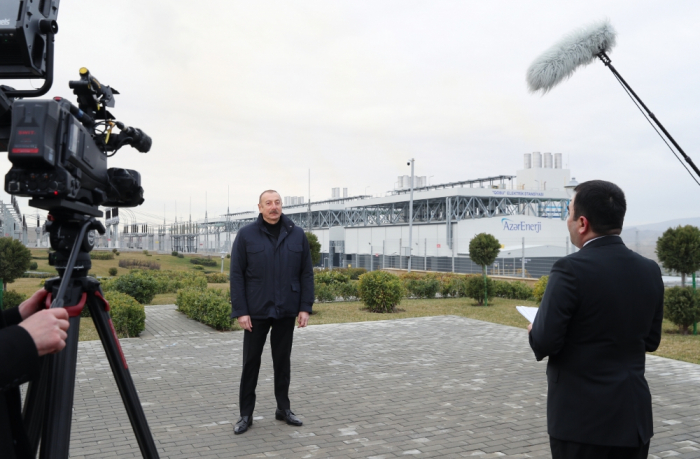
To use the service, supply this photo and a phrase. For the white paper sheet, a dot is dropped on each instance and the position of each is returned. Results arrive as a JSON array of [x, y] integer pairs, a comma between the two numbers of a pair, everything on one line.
[[528, 312]]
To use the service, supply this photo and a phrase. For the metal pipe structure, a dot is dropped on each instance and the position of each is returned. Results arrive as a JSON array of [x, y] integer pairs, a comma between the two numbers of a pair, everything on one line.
[[410, 217]]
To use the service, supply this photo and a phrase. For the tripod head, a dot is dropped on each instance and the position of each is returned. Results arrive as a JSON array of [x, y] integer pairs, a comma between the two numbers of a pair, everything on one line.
[[72, 236]]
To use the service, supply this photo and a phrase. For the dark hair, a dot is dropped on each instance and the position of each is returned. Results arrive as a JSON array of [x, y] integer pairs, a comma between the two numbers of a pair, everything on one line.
[[603, 204], [266, 191]]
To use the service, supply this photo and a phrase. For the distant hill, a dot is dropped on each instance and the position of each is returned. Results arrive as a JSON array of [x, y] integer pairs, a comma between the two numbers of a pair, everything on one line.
[[642, 238]]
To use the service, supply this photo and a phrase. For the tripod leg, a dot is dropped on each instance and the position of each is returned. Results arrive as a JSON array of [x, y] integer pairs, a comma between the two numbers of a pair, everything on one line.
[[34, 404], [103, 323], [55, 441]]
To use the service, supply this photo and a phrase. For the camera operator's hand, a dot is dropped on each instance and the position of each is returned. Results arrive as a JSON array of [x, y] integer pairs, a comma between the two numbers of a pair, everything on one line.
[[48, 330], [33, 304]]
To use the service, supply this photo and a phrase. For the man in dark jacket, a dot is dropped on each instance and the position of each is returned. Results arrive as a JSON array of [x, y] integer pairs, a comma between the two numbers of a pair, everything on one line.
[[601, 312], [272, 284], [26, 333]]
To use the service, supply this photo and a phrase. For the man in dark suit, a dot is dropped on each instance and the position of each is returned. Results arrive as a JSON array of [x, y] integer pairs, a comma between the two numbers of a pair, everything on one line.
[[600, 314], [26, 333], [272, 284]]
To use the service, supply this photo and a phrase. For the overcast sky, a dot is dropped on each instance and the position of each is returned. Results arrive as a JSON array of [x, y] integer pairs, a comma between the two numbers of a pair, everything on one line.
[[251, 95]]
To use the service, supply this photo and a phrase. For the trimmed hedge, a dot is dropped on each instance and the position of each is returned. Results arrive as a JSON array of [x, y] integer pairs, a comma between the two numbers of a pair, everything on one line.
[[140, 264], [217, 278], [209, 306], [203, 261], [420, 286], [330, 277], [324, 293], [128, 315], [540, 287], [102, 255], [137, 284], [513, 290], [352, 273], [380, 291], [12, 299], [39, 275]]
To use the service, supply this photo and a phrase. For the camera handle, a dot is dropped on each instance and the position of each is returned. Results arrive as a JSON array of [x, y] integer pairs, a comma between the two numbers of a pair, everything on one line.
[[50, 28]]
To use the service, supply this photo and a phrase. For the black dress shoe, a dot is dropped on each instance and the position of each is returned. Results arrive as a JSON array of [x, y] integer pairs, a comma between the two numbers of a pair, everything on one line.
[[287, 416], [242, 425]]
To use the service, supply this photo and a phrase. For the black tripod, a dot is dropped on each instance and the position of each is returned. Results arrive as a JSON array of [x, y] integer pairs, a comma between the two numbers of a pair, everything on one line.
[[49, 401]]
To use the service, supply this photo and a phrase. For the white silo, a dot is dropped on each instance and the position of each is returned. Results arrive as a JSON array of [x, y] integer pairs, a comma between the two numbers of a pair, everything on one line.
[[547, 160], [557, 161], [536, 160], [528, 160]]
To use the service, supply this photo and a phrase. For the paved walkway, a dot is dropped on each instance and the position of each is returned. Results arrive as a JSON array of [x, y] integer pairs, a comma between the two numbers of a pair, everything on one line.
[[428, 387]]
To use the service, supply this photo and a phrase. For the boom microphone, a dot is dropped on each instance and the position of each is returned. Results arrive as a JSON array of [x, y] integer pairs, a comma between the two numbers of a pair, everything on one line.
[[577, 49], [581, 48]]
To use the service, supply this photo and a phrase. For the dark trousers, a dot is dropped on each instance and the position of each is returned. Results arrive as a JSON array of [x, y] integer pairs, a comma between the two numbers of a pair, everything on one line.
[[253, 343], [571, 450]]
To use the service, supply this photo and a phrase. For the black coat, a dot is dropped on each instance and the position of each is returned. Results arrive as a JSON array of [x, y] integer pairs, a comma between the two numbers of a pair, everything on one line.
[[19, 362], [271, 278], [601, 313]]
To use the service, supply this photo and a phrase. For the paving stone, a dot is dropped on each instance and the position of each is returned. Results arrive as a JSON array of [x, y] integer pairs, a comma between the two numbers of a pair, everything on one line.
[[426, 387]]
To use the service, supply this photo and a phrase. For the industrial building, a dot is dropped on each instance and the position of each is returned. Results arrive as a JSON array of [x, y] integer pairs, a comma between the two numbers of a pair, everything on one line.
[[526, 213]]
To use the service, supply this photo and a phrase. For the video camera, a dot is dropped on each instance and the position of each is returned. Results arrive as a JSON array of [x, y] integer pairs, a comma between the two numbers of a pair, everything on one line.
[[59, 151]]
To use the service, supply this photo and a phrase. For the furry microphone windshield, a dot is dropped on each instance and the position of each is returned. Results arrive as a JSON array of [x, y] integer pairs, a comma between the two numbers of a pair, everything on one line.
[[574, 50]]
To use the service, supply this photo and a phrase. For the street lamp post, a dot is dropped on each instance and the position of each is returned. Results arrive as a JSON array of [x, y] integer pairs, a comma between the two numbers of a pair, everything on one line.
[[410, 217], [223, 256]]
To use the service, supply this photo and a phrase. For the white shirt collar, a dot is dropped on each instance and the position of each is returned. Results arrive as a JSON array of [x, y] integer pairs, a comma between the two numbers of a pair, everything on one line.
[[594, 239]]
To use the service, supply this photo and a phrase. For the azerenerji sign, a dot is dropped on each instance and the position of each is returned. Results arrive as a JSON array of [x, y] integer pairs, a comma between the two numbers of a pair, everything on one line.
[[510, 225]]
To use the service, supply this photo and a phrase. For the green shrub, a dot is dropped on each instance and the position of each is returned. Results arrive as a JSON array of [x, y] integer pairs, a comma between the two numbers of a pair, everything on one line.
[[521, 291], [330, 277], [113, 271], [203, 261], [138, 284], [141, 264], [172, 281], [101, 255], [540, 287], [380, 291], [108, 284], [217, 278], [682, 307], [12, 299], [474, 288], [39, 275], [451, 285], [199, 267], [347, 291], [33, 266], [179, 255], [174, 253], [114, 251], [208, 306], [128, 315], [513, 290], [145, 252], [352, 273], [422, 287], [324, 293], [228, 255]]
